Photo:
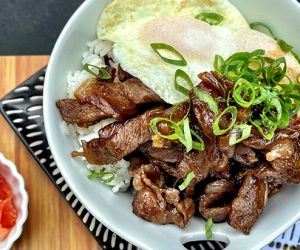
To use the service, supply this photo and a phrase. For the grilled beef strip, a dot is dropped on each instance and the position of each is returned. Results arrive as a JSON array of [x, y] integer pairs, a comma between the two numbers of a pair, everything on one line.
[[83, 115], [117, 140], [157, 204], [246, 208], [96, 100], [215, 201]]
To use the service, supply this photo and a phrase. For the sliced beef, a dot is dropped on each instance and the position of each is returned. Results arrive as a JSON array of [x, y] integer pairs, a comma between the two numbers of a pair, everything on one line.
[[123, 75], [218, 158], [251, 200], [118, 100], [157, 204], [173, 154], [83, 115], [245, 155], [266, 172], [217, 85], [214, 203], [119, 139], [284, 154], [204, 116]]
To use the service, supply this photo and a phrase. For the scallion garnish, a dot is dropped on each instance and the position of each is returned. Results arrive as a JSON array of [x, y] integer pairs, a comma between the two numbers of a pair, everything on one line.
[[181, 74], [239, 133], [281, 43], [174, 136], [210, 18], [208, 226], [162, 46], [205, 97], [104, 176], [187, 181], [102, 73], [216, 125], [244, 93], [181, 132]]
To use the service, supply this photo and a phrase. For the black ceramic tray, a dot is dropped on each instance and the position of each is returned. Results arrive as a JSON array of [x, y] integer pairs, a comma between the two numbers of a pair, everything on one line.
[[22, 108]]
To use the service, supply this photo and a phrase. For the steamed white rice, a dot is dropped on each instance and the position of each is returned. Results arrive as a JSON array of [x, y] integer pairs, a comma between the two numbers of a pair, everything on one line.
[[94, 55]]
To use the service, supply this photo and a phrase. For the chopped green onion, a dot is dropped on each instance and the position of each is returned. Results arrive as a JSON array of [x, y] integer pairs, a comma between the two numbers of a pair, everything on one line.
[[298, 78], [177, 132], [281, 43], [104, 74], [216, 126], [270, 131], [182, 132], [181, 74], [210, 18], [198, 145], [218, 62], [103, 176], [188, 141], [284, 45], [261, 95], [242, 91], [208, 226], [243, 129], [205, 97], [187, 181], [162, 46], [275, 72]]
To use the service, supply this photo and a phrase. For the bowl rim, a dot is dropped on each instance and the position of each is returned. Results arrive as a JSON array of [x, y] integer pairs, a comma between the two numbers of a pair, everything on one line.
[[11, 238]]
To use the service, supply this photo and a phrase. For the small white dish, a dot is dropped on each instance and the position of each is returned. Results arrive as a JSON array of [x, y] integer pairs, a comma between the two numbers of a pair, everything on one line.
[[20, 199], [115, 210]]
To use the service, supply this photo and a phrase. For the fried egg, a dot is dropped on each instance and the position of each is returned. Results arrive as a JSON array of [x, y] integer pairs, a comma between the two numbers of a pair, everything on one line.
[[132, 28]]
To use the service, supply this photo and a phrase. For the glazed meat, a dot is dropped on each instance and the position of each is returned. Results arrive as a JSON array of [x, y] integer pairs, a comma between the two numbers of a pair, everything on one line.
[[245, 155], [246, 208], [266, 172], [117, 100], [82, 115], [119, 139], [171, 154], [216, 86], [159, 205], [213, 204], [283, 154]]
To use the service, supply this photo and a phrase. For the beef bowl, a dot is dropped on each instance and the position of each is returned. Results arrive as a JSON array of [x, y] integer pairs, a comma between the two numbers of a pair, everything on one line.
[[101, 99]]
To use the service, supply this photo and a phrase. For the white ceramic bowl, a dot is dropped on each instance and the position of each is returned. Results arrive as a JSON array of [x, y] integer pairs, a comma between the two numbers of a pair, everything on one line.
[[20, 198], [115, 210]]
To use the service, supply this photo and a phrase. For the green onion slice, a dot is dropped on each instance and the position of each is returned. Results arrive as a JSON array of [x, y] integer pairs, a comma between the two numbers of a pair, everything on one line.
[[181, 74], [216, 126], [198, 145], [102, 73], [177, 132], [208, 226], [162, 46], [281, 43], [218, 62], [243, 129], [261, 95], [205, 97], [210, 18], [270, 131], [104, 176], [275, 72], [259, 25], [284, 45], [244, 93], [188, 141], [187, 181]]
